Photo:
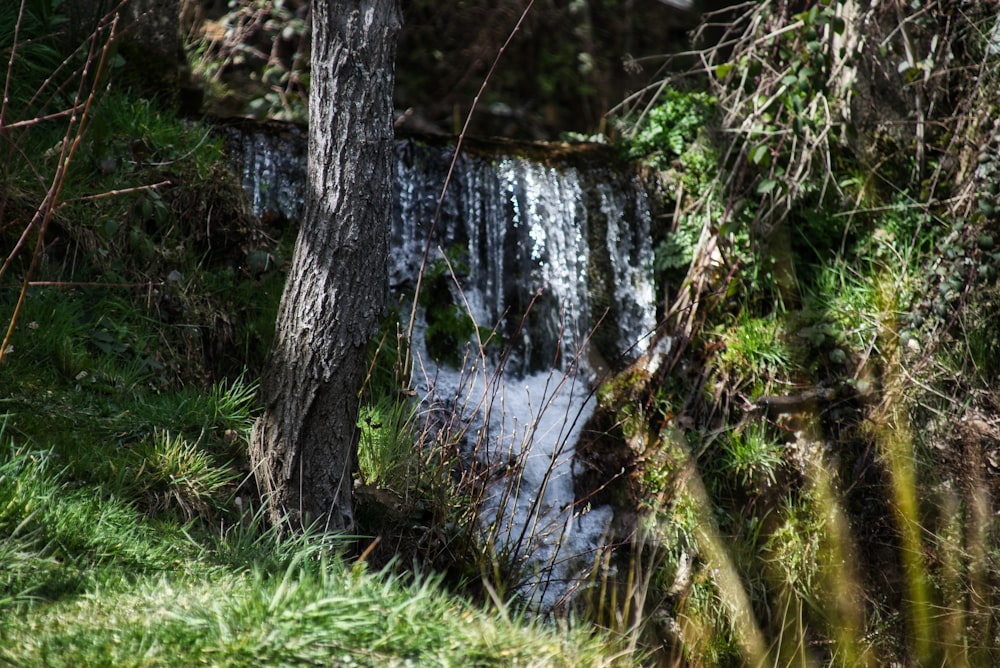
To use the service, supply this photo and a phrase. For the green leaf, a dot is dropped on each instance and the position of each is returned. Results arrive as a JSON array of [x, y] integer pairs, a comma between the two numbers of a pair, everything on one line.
[[760, 155], [766, 187], [723, 70]]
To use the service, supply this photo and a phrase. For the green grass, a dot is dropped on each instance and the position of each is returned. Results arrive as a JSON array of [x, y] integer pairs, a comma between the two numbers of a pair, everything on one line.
[[87, 580], [132, 553], [317, 614], [754, 351], [386, 453], [63, 536], [118, 425], [752, 457]]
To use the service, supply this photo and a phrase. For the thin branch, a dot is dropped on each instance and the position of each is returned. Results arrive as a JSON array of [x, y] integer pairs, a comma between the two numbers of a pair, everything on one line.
[[39, 119], [112, 193], [75, 131], [82, 284], [10, 63]]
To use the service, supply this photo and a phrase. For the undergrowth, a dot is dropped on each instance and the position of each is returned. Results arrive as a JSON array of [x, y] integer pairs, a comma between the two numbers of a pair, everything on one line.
[[811, 483], [87, 581]]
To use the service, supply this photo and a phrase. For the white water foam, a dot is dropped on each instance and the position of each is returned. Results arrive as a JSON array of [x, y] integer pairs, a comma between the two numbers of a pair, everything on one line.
[[524, 430]]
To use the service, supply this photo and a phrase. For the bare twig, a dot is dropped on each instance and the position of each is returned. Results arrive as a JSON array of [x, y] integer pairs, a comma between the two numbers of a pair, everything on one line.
[[10, 65], [40, 119], [113, 193], [71, 140], [83, 284]]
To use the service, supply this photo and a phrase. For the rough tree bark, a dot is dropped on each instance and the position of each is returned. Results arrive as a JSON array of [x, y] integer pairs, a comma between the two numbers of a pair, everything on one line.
[[304, 445]]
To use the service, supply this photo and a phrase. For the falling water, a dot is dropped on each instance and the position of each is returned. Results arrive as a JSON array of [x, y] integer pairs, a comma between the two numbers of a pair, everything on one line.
[[555, 260], [549, 263], [271, 163]]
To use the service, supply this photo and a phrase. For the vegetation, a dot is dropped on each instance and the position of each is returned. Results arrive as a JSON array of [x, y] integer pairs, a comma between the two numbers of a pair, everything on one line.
[[813, 467], [87, 580], [128, 534], [825, 258]]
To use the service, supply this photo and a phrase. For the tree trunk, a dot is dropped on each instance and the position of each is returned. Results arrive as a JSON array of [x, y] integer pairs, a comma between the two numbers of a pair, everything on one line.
[[304, 445]]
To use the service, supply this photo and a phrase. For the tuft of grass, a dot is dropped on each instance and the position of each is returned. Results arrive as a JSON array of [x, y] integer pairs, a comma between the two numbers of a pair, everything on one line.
[[752, 457], [172, 474], [387, 450], [755, 351]]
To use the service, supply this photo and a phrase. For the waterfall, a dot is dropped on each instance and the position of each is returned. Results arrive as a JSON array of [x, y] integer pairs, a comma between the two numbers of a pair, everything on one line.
[[547, 260], [556, 261], [571, 243]]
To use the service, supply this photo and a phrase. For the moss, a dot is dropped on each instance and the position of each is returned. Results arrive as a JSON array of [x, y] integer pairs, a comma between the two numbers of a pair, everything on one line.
[[449, 327], [627, 386]]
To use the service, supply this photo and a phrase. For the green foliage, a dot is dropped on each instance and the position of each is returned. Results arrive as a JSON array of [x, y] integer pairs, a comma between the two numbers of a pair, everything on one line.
[[92, 340], [130, 136], [59, 536], [91, 583], [848, 269], [752, 458], [120, 540], [564, 71], [109, 551], [149, 199], [386, 449], [105, 556], [796, 68], [450, 327], [87, 384], [676, 250], [672, 138], [794, 547], [754, 351], [265, 48], [668, 130], [36, 55], [233, 404], [311, 612], [172, 474]]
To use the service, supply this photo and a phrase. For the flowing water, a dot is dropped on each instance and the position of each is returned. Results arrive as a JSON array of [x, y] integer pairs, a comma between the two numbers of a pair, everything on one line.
[[536, 280]]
